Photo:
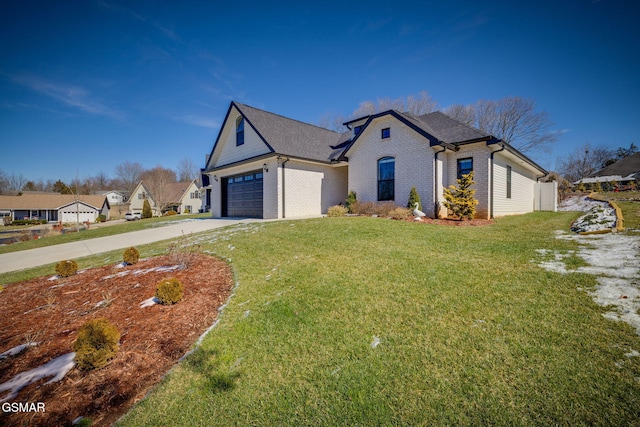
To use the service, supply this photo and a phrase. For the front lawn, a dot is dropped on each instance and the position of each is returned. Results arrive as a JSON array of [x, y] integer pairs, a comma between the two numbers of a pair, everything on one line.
[[368, 321]]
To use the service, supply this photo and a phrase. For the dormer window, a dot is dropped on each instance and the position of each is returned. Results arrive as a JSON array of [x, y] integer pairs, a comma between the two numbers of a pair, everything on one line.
[[357, 129], [240, 131]]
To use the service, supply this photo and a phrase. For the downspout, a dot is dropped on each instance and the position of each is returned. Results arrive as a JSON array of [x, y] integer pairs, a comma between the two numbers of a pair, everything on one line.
[[436, 209], [283, 161], [491, 184]]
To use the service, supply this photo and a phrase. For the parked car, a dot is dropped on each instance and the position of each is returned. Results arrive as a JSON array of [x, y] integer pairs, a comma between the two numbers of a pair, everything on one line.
[[132, 216]]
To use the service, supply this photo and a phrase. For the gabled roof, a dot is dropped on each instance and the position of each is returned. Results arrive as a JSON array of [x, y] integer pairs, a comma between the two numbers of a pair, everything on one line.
[[624, 168], [176, 191], [287, 136], [50, 201], [437, 127]]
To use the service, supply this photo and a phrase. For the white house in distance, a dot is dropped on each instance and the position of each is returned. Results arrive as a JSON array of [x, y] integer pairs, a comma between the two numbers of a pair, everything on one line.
[[181, 197], [54, 207], [137, 198], [269, 166]]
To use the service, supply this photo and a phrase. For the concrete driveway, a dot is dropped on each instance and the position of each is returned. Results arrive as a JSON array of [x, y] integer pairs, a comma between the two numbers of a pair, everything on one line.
[[36, 257]]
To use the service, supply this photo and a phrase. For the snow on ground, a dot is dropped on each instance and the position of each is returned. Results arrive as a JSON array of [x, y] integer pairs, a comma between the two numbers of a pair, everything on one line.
[[614, 259], [17, 349], [56, 368], [598, 215]]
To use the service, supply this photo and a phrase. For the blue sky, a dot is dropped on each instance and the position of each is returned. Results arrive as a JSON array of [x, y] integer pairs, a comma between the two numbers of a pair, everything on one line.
[[87, 85]]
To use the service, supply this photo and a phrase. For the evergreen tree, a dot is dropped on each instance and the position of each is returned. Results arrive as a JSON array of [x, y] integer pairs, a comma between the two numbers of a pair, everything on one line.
[[460, 200], [146, 209], [414, 198], [350, 201]]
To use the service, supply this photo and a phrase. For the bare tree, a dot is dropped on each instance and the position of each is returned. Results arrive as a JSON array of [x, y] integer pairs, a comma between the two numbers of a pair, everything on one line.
[[333, 122], [417, 105], [16, 182], [512, 119], [4, 182], [129, 174], [584, 161], [156, 180], [187, 170], [464, 113], [421, 104]]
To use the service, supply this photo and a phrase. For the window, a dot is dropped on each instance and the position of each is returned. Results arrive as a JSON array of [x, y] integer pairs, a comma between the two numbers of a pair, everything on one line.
[[386, 133], [386, 178], [465, 166], [240, 131], [357, 129], [508, 182]]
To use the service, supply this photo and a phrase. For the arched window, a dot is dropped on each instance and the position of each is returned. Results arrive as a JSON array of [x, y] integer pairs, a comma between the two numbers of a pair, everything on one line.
[[386, 178], [240, 131]]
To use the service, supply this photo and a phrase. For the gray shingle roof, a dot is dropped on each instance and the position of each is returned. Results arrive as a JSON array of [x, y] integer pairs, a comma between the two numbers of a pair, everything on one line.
[[450, 130], [291, 137], [625, 167]]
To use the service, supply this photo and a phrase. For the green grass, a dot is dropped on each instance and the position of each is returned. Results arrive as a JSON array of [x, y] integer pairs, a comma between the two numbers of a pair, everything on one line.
[[92, 233], [471, 330]]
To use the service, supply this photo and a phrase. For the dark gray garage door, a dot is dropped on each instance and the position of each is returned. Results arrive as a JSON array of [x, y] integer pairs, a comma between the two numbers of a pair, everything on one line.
[[242, 195]]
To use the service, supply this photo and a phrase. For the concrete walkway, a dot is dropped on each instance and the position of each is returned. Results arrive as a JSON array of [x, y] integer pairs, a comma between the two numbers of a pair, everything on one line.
[[36, 257]]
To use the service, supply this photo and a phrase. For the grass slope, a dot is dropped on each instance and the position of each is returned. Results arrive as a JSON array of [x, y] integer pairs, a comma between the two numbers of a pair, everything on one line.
[[470, 331]]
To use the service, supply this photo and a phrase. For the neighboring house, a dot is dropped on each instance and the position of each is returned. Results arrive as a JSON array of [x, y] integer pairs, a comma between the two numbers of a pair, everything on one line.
[[117, 201], [183, 197], [137, 198], [114, 197], [623, 172], [64, 208], [269, 166]]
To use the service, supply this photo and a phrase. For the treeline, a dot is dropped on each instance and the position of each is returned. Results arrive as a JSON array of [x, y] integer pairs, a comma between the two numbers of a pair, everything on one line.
[[126, 176]]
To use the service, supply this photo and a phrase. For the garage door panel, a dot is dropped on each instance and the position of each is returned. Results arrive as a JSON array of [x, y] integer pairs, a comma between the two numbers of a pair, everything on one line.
[[244, 195]]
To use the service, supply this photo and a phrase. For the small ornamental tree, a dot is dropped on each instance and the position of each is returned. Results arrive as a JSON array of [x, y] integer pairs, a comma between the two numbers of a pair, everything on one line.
[[460, 200], [414, 198], [146, 209]]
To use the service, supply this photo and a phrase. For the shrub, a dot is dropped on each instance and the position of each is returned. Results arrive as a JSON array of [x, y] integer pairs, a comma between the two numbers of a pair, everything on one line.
[[350, 200], [460, 200], [96, 344], [101, 218], [414, 198], [169, 291], [374, 208], [170, 213], [66, 268], [400, 213], [337, 210], [131, 256], [146, 209]]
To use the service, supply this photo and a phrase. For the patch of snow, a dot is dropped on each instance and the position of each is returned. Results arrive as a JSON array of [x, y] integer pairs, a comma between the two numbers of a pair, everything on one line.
[[17, 349], [150, 302], [615, 260], [376, 342], [144, 271], [579, 203], [56, 368]]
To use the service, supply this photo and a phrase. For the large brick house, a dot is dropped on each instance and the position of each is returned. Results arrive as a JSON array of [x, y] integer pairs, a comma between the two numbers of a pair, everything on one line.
[[269, 166]]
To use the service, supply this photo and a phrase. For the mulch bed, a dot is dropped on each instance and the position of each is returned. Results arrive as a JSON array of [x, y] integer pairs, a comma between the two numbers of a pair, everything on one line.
[[152, 339]]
